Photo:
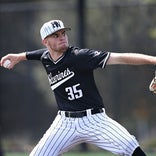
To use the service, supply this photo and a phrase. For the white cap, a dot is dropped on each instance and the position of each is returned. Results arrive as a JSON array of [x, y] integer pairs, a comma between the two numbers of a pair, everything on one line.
[[51, 27]]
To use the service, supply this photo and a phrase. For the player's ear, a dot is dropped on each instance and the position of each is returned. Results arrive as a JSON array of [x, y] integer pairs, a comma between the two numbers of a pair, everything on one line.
[[44, 42]]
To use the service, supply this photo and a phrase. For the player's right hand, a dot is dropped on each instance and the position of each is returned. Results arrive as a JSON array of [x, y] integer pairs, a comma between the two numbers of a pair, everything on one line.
[[13, 58]]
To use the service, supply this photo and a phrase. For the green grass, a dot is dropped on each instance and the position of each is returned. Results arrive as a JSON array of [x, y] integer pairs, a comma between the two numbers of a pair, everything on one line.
[[74, 154], [15, 154], [67, 154], [89, 154], [97, 154]]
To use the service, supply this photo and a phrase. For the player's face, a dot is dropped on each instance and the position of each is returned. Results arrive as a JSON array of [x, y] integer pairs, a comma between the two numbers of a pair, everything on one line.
[[57, 42]]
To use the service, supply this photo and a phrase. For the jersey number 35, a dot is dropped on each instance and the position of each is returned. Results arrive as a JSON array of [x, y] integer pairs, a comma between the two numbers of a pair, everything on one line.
[[74, 92]]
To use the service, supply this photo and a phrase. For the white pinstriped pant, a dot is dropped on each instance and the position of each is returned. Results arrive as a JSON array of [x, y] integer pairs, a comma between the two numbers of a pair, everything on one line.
[[97, 129]]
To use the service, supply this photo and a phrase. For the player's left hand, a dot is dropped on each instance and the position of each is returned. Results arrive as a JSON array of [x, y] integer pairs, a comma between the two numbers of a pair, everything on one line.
[[152, 86]]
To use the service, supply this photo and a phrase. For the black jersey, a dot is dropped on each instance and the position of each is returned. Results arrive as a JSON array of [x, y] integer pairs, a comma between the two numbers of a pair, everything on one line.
[[71, 76]]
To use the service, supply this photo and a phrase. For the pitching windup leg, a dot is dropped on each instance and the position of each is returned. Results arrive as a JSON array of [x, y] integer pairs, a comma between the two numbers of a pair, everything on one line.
[[97, 129], [106, 133], [58, 138]]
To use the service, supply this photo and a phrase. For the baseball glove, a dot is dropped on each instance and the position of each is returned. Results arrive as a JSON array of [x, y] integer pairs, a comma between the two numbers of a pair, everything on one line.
[[152, 86]]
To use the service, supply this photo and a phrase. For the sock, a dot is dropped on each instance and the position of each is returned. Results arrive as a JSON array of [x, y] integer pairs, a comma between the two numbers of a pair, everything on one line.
[[138, 152]]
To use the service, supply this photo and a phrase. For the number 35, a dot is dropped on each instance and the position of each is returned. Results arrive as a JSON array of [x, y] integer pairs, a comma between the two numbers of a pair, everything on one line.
[[74, 92]]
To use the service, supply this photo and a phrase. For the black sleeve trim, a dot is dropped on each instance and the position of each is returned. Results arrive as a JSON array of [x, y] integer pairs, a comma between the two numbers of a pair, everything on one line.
[[105, 60], [35, 55]]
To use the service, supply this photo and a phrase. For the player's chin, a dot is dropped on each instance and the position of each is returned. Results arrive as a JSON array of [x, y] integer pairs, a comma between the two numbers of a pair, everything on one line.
[[64, 47]]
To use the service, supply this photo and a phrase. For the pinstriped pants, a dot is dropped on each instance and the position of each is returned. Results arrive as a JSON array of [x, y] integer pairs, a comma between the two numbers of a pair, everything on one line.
[[97, 129]]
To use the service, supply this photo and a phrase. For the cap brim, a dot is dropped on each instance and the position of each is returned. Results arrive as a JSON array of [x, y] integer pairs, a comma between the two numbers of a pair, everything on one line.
[[66, 29]]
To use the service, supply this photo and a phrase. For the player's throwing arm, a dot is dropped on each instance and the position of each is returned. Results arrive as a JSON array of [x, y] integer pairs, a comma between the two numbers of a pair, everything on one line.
[[10, 60]]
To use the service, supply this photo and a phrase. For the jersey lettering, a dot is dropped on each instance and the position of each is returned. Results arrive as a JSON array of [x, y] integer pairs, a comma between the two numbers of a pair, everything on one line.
[[74, 92], [60, 78]]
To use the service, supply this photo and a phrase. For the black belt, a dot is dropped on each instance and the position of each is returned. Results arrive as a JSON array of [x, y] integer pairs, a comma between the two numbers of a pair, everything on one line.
[[79, 114]]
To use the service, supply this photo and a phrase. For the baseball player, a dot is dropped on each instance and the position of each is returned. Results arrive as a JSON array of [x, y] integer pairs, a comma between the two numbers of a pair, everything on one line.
[[81, 114]]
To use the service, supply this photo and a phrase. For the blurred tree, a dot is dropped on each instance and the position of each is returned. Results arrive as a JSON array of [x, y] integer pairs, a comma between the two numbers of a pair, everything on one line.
[[109, 25]]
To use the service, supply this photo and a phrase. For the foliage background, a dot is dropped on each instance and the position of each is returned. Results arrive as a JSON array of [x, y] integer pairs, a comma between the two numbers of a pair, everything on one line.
[[27, 105]]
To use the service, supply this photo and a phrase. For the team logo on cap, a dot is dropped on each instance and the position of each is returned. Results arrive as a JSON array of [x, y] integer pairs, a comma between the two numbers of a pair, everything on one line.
[[56, 24]]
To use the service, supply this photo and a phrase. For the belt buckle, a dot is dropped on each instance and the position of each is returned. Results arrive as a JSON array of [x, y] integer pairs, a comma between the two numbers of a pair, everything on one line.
[[68, 114]]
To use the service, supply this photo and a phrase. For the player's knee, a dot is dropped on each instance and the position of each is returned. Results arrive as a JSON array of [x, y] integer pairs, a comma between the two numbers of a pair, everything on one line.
[[138, 151], [130, 145]]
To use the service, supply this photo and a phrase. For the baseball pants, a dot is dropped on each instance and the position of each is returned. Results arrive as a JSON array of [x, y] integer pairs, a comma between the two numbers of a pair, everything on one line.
[[97, 129]]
